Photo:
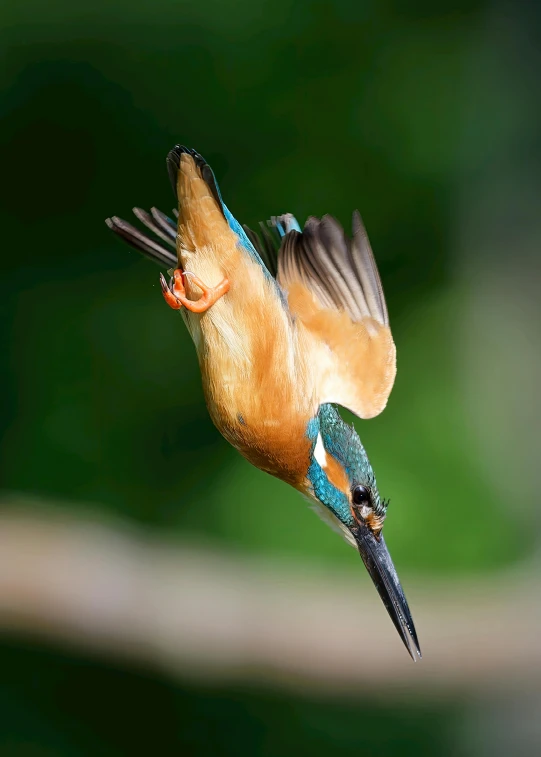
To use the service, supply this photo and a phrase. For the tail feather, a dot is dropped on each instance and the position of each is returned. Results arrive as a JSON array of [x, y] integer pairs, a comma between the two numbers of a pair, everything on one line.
[[199, 220], [205, 171], [207, 174]]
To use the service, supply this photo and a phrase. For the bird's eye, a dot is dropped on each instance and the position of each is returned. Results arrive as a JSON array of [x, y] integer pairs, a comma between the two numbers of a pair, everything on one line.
[[361, 495]]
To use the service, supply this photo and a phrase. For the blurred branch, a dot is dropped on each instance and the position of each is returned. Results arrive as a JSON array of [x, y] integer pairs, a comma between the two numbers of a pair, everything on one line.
[[196, 611]]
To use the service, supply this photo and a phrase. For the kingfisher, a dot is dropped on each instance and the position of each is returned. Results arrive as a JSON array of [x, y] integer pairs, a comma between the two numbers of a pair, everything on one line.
[[287, 323]]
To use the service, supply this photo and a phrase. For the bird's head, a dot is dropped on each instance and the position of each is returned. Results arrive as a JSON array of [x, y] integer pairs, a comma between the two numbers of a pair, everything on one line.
[[341, 482]]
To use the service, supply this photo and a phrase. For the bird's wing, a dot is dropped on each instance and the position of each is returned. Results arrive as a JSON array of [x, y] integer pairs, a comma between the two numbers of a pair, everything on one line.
[[333, 287], [161, 225]]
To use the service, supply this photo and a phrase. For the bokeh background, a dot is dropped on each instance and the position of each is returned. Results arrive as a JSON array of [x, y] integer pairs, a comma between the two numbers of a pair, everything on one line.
[[157, 594]]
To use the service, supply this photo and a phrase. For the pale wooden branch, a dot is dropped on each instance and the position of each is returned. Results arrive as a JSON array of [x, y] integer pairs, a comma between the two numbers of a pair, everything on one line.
[[196, 611]]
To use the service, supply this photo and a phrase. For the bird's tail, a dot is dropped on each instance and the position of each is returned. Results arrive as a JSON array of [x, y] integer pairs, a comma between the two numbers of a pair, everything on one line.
[[200, 217]]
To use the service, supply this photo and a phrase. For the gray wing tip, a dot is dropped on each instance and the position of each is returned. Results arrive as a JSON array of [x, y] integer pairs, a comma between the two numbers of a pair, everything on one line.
[[343, 270], [141, 241], [361, 251]]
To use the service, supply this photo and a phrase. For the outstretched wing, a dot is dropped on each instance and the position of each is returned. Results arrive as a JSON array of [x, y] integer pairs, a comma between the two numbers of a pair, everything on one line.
[[333, 286], [161, 225]]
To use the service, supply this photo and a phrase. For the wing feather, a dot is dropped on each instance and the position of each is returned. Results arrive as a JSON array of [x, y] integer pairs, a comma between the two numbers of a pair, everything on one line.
[[367, 271], [334, 288], [136, 238], [340, 271], [150, 222], [265, 247]]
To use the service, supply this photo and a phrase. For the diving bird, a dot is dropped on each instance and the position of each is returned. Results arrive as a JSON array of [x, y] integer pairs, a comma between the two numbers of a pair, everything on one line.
[[287, 323]]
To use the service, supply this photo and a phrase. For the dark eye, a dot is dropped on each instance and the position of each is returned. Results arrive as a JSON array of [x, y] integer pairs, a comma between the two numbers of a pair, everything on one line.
[[361, 495]]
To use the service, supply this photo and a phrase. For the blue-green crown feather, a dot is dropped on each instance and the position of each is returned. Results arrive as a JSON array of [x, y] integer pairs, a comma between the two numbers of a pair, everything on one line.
[[342, 442]]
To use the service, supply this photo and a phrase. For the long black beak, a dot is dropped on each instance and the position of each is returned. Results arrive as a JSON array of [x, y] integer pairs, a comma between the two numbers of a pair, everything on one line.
[[378, 562]]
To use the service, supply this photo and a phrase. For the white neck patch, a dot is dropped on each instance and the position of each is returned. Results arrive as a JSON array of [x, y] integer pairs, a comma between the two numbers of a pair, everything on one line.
[[319, 452]]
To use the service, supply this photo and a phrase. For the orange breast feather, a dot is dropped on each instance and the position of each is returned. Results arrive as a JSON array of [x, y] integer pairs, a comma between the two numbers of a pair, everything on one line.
[[258, 386]]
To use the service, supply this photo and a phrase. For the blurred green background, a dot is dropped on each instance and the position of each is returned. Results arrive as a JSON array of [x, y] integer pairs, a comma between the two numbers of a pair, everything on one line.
[[426, 117]]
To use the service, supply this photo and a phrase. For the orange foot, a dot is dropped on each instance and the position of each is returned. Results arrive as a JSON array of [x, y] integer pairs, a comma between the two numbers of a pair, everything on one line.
[[175, 294]]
